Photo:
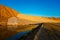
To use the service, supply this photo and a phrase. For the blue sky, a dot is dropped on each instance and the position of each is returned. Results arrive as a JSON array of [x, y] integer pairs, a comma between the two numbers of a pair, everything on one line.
[[48, 8]]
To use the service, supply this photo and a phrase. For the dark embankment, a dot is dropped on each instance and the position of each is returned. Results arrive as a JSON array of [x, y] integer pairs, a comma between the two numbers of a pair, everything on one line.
[[46, 31], [31, 34]]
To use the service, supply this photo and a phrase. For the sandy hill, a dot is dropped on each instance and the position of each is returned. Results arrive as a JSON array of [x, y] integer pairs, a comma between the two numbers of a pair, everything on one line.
[[40, 19], [10, 16]]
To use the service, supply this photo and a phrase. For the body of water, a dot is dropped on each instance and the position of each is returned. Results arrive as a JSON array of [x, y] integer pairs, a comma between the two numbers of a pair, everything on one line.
[[17, 36]]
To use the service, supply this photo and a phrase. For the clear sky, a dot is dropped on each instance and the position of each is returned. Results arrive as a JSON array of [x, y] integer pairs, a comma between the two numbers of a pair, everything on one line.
[[49, 8]]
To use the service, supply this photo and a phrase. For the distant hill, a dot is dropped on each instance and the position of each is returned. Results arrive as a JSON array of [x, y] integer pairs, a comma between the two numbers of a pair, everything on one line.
[[40, 19]]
